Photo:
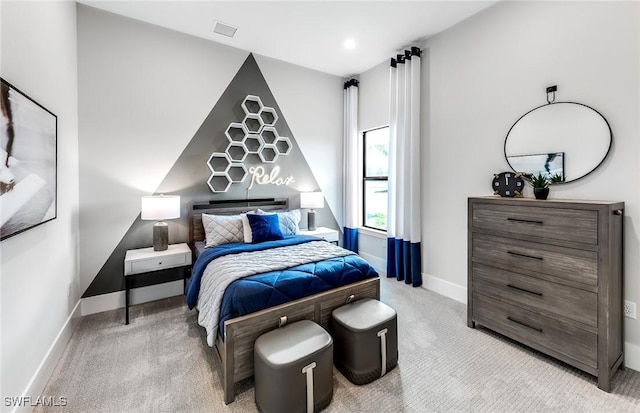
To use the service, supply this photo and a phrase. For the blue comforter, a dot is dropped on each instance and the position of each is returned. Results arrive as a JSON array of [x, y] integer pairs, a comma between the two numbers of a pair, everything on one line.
[[260, 291]]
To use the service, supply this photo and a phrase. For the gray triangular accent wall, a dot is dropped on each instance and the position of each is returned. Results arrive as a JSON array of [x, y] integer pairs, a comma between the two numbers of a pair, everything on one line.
[[189, 175]]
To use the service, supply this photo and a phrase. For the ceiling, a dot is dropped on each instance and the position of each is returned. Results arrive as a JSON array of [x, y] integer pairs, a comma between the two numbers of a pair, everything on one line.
[[306, 33]]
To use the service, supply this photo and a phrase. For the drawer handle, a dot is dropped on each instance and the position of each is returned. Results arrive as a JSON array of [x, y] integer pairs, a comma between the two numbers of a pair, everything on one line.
[[525, 221], [517, 254], [159, 262], [523, 290], [350, 298], [539, 330]]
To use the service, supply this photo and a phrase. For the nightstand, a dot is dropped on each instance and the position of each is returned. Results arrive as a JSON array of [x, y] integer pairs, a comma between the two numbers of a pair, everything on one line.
[[327, 234], [146, 260]]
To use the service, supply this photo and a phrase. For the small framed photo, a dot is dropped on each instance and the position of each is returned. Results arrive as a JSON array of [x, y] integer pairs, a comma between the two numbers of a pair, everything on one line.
[[28, 162]]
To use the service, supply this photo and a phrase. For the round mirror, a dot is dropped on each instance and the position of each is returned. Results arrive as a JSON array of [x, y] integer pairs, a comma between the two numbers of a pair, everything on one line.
[[564, 140]]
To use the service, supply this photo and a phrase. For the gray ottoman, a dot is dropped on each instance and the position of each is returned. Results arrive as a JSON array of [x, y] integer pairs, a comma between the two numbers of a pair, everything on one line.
[[365, 335], [293, 369]]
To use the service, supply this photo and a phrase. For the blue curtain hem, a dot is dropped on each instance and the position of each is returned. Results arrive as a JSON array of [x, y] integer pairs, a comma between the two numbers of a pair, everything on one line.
[[350, 240], [404, 261]]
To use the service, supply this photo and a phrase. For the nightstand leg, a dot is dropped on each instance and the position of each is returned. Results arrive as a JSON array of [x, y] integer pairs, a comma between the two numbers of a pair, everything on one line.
[[126, 299]]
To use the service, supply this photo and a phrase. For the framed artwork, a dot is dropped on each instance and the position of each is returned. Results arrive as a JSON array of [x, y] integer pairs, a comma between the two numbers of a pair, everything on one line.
[[28, 162], [547, 164]]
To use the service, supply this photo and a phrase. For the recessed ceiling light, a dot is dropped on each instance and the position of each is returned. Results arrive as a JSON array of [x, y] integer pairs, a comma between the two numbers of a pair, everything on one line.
[[349, 44], [224, 29]]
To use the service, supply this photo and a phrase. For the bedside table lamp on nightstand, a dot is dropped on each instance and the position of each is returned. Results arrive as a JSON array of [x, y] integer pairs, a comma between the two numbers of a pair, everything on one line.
[[311, 200], [158, 208]]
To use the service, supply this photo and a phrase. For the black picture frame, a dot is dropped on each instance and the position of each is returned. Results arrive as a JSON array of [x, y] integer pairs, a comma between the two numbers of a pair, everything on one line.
[[547, 164], [28, 162]]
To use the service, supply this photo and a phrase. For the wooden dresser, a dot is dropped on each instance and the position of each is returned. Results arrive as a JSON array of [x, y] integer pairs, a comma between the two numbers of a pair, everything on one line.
[[549, 275]]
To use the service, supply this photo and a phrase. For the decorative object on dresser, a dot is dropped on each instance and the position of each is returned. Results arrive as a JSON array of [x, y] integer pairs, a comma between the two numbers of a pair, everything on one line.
[[507, 184], [311, 200], [158, 208], [549, 275], [540, 184], [146, 260]]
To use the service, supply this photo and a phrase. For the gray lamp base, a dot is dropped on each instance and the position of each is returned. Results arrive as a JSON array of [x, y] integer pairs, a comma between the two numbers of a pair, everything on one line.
[[160, 236], [311, 220]]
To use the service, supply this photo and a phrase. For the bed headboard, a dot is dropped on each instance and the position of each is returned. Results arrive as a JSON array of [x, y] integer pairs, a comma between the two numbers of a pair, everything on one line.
[[227, 207]]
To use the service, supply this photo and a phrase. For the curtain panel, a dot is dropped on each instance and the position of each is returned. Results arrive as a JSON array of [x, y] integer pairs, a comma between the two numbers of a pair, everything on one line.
[[351, 162], [403, 217]]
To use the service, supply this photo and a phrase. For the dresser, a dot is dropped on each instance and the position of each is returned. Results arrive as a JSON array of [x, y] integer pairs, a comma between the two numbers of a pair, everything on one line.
[[549, 275]]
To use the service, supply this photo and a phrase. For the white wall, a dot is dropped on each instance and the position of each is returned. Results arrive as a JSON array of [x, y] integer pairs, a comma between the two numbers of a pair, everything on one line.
[[144, 92], [39, 57], [480, 76]]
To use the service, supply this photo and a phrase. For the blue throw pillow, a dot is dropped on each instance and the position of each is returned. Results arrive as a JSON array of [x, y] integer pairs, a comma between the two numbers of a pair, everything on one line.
[[264, 228]]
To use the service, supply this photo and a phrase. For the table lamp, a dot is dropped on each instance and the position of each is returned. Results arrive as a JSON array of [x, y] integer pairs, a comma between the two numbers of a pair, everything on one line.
[[158, 208], [311, 200]]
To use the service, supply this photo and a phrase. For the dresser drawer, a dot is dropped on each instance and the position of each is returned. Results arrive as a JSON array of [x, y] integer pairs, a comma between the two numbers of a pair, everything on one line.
[[573, 225], [159, 263], [544, 297], [510, 254], [535, 330]]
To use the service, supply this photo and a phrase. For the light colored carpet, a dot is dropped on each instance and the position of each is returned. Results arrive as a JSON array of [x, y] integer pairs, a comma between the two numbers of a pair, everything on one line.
[[161, 363]]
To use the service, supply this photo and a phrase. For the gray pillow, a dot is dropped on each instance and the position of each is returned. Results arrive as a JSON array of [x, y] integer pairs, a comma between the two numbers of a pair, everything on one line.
[[222, 229]]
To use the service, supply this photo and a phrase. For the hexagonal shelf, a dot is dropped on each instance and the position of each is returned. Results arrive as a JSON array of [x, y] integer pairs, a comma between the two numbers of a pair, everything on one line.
[[219, 182], [219, 162], [269, 135], [269, 116], [254, 143], [237, 172], [252, 104], [236, 132], [268, 154], [253, 123], [283, 145], [237, 151]]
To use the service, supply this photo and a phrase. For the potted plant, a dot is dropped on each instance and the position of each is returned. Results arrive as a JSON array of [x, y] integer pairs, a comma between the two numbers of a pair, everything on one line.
[[540, 185], [557, 178]]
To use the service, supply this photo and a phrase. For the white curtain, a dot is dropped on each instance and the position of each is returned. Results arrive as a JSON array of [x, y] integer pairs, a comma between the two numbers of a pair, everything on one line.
[[403, 217], [351, 175]]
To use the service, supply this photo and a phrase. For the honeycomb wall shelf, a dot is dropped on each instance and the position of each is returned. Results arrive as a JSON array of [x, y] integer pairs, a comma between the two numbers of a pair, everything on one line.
[[253, 139]]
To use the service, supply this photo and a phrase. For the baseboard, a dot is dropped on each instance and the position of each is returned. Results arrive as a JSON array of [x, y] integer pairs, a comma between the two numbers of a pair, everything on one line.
[[444, 287], [113, 301], [42, 374], [378, 263], [632, 356]]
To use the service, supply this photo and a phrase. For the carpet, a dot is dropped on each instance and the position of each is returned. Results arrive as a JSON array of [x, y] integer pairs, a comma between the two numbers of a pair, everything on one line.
[[160, 363]]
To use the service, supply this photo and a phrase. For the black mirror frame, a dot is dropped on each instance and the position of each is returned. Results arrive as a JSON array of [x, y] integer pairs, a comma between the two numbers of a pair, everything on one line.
[[554, 103]]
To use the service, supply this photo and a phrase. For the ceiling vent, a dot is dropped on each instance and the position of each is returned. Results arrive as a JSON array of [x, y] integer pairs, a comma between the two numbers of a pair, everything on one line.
[[224, 29]]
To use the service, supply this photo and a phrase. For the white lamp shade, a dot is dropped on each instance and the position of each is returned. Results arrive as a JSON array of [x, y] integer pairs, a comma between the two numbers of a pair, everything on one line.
[[160, 207], [311, 200]]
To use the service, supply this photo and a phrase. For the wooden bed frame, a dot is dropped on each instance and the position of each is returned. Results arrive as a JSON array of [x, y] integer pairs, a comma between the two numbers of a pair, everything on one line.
[[236, 350]]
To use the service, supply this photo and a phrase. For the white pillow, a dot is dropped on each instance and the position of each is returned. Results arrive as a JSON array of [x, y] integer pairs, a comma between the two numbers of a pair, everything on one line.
[[246, 229], [222, 229], [289, 222]]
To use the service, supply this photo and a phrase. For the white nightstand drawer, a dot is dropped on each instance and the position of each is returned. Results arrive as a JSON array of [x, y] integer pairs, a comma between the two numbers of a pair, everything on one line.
[[153, 264], [327, 234], [146, 259]]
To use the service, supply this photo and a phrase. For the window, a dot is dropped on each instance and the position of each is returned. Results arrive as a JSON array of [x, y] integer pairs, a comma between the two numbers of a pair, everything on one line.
[[375, 178]]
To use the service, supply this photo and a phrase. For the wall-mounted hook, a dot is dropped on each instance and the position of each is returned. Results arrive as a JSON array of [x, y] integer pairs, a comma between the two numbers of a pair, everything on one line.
[[551, 89]]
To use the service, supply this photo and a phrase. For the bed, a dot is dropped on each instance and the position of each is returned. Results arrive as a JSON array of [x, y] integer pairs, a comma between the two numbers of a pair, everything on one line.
[[234, 335]]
